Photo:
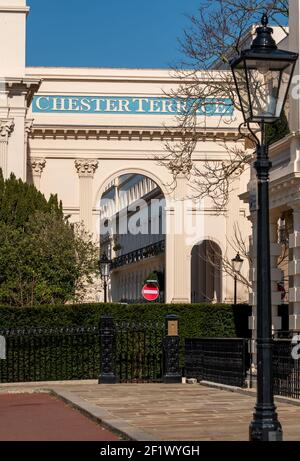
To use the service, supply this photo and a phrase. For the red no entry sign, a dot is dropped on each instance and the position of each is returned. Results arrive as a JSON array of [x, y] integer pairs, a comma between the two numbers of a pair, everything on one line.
[[150, 292]]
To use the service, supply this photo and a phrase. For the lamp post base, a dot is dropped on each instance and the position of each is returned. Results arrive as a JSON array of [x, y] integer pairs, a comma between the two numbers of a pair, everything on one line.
[[265, 430], [107, 378]]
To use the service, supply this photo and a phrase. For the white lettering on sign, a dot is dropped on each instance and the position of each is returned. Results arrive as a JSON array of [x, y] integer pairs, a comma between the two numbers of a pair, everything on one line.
[[132, 105], [124, 105], [42, 103]]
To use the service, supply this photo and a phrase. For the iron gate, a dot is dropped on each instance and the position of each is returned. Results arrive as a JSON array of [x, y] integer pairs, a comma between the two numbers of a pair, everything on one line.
[[139, 351]]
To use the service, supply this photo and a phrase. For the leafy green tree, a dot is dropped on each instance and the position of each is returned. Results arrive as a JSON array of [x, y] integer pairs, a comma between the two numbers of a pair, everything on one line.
[[19, 200], [278, 130], [43, 258]]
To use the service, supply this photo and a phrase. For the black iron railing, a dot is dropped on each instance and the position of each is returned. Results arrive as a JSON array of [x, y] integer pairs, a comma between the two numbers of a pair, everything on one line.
[[40, 354], [113, 351], [218, 360], [137, 352], [138, 255], [286, 368]]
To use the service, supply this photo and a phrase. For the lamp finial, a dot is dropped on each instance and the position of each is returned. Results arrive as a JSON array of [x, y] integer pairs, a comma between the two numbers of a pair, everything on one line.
[[265, 20]]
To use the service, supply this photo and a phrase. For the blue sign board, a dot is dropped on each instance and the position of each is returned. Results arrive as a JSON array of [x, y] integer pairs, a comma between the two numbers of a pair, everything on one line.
[[131, 105]]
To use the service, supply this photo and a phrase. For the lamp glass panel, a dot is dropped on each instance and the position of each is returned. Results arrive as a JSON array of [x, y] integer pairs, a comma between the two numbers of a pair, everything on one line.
[[237, 263], [238, 266], [268, 84], [104, 268], [286, 77], [242, 87]]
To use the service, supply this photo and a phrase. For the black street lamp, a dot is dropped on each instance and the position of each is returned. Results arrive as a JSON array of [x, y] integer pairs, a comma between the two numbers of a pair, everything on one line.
[[104, 266], [237, 263], [262, 76]]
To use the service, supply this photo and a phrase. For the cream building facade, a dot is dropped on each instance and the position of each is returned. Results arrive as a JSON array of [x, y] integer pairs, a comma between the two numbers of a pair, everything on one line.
[[78, 132]]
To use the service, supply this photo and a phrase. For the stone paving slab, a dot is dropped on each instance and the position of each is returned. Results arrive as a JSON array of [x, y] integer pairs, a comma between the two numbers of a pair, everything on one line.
[[168, 412]]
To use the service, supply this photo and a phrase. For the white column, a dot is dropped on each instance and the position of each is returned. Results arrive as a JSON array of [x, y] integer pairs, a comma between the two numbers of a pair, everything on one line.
[[129, 296], [28, 130], [12, 36], [294, 100], [16, 89], [86, 169], [177, 259], [276, 274], [126, 282], [6, 127], [252, 279], [294, 45], [37, 166], [120, 285], [294, 273]]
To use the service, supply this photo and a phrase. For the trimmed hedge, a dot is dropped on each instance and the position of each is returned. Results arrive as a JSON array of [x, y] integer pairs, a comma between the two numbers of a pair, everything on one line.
[[206, 320]]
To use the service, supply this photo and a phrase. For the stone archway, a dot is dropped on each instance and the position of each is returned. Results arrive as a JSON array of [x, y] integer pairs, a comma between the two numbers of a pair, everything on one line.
[[132, 233], [161, 180], [177, 288], [206, 272]]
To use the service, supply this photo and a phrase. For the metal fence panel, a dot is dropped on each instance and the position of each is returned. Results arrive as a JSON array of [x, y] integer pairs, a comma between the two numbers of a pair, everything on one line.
[[39, 354], [74, 353], [286, 369], [219, 360]]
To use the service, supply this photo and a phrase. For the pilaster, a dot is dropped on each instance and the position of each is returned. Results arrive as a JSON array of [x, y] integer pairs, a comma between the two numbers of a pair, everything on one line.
[[6, 128], [27, 132], [86, 169], [13, 15], [294, 45], [252, 296], [276, 274], [177, 260], [294, 272]]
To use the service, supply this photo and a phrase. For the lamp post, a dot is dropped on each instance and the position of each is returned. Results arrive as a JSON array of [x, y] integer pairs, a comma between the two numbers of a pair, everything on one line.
[[237, 263], [262, 76], [104, 266]]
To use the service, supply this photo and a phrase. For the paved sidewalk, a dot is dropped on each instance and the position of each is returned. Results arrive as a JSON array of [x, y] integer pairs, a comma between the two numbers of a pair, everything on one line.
[[169, 412], [42, 417]]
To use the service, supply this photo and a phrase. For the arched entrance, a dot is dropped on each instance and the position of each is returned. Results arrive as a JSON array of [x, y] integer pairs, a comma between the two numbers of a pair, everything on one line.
[[206, 272], [132, 234]]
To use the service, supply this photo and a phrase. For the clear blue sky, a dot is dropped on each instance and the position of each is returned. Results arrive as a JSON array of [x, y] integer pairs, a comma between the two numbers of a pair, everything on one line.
[[107, 33]]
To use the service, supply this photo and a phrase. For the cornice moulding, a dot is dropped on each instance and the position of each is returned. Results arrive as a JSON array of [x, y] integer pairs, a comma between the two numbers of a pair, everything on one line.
[[103, 132], [14, 9], [290, 180], [283, 143], [10, 82], [30, 86], [121, 75]]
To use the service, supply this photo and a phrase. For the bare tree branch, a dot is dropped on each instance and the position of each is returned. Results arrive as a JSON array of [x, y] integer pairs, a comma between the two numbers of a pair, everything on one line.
[[219, 30]]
